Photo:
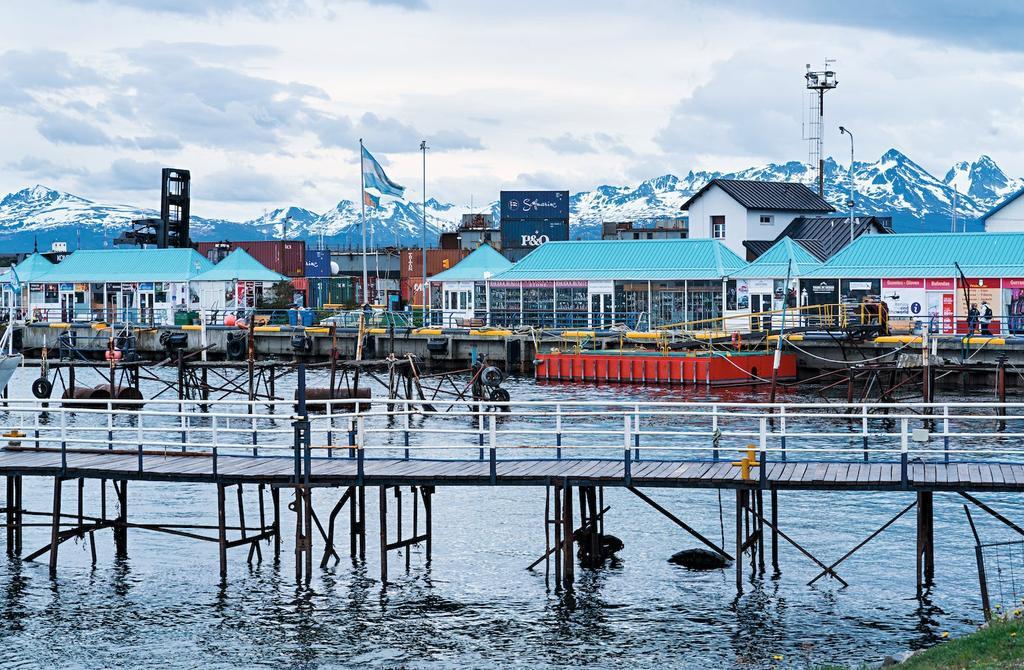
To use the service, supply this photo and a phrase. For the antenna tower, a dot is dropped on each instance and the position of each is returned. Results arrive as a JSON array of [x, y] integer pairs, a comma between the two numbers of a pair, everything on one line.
[[818, 83]]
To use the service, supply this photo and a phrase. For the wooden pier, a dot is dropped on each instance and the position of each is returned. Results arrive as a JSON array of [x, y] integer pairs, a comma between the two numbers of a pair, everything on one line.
[[258, 451]]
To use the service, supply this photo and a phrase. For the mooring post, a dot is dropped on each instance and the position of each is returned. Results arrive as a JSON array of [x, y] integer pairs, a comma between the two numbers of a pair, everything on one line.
[[760, 529], [362, 523], [121, 522], [55, 526], [739, 541], [383, 510], [1001, 389], [222, 533], [307, 538]]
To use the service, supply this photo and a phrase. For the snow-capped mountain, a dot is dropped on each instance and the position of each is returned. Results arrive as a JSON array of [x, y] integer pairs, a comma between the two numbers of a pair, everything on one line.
[[894, 185]]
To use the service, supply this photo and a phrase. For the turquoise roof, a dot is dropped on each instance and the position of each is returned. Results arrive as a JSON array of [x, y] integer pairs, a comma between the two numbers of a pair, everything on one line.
[[928, 255], [483, 263], [239, 265], [640, 260], [131, 265], [29, 270], [775, 261]]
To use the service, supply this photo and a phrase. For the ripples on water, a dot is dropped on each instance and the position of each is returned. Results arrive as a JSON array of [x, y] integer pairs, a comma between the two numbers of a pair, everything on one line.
[[476, 605]]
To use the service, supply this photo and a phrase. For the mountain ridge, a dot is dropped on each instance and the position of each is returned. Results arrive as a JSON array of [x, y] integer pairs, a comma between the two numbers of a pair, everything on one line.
[[894, 185]]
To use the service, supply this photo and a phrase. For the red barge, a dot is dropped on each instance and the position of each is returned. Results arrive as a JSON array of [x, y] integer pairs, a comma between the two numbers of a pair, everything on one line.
[[657, 367]]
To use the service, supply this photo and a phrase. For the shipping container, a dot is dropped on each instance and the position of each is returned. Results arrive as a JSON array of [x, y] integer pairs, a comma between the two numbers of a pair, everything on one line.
[[438, 260], [285, 256], [334, 291], [531, 233], [534, 205], [318, 263]]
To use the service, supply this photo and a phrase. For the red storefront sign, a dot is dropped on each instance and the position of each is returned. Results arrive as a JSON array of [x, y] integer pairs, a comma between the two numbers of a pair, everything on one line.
[[902, 283], [940, 284]]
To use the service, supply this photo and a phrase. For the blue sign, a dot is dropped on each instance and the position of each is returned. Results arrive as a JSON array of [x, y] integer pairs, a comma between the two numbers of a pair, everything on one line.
[[534, 205], [318, 263], [146, 286]]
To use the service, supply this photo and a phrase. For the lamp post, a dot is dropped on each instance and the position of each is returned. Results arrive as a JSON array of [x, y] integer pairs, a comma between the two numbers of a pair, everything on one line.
[[425, 307], [851, 202]]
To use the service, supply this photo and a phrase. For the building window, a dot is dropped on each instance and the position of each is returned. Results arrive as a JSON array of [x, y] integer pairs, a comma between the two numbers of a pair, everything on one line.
[[718, 227], [767, 219]]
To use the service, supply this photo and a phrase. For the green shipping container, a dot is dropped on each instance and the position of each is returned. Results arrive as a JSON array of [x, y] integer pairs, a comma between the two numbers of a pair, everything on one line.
[[331, 291]]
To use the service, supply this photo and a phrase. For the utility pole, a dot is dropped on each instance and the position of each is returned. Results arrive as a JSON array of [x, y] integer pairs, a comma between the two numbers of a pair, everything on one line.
[[851, 202]]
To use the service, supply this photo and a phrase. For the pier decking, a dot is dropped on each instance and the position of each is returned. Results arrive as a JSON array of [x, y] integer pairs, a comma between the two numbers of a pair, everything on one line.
[[342, 471]]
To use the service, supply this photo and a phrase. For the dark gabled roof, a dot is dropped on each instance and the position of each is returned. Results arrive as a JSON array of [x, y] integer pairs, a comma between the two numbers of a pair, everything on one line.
[[824, 236], [757, 247], [768, 196]]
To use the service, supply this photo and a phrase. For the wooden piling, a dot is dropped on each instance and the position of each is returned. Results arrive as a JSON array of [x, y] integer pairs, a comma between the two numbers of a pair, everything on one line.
[[925, 553], [383, 511], [775, 532], [120, 523], [222, 533], [739, 540], [556, 492], [55, 526], [9, 513], [275, 495], [569, 564]]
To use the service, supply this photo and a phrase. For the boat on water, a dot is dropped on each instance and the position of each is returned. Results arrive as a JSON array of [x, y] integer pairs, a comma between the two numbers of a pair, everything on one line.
[[9, 360]]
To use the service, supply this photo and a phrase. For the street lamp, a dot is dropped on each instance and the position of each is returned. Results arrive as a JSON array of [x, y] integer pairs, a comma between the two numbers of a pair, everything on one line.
[[851, 202]]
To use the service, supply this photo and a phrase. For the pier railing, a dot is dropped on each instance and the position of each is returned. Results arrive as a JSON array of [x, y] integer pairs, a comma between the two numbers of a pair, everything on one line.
[[153, 430]]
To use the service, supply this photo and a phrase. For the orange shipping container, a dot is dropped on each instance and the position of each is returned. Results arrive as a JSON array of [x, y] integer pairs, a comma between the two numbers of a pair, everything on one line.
[[438, 260]]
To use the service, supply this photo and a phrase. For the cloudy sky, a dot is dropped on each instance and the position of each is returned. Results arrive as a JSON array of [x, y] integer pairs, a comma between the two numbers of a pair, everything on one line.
[[265, 100]]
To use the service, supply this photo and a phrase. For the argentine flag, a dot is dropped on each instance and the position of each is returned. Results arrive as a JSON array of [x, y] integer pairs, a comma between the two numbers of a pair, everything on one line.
[[376, 183]]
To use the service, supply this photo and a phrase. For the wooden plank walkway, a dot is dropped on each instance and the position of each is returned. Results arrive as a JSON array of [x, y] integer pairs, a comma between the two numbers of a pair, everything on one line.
[[343, 471]]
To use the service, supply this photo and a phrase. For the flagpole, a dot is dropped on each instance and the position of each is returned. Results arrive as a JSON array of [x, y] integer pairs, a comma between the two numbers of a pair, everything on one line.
[[362, 209], [424, 293]]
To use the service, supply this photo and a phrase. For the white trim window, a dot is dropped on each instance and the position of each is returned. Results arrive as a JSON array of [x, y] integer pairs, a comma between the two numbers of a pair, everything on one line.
[[767, 219], [718, 227]]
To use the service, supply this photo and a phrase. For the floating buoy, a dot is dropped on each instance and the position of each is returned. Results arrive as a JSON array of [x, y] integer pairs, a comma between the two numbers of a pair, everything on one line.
[[113, 354], [230, 320]]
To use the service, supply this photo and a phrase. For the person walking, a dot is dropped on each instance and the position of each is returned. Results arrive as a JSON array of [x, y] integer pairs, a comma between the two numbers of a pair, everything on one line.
[[972, 318]]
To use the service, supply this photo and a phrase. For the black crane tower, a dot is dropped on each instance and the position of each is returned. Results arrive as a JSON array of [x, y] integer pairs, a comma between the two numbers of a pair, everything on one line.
[[171, 229]]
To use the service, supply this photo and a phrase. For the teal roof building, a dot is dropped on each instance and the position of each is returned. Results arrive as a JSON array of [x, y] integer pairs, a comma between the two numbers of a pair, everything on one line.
[[128, 265], [784, 257], [627, 260], [32, 269], [240, 266], [483, 263], [927, 255]]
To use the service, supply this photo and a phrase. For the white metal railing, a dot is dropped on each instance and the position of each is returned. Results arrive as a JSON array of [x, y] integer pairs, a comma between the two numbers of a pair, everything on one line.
[[630, 431]]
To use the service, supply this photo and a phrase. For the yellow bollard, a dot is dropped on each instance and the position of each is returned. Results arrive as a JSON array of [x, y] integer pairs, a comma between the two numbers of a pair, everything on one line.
[[747, 462]]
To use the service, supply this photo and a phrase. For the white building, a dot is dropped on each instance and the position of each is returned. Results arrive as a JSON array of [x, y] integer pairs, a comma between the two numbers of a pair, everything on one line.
[[1007, 216], [735, 211]]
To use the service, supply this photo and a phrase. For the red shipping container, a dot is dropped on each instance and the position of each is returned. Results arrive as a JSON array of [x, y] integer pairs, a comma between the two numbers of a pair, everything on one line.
[[438, 260], [285, 256]]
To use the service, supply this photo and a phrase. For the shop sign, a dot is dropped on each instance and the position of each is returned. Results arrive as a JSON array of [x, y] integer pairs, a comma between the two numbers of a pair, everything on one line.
[[67, 288], [146, 286], [940, 284]]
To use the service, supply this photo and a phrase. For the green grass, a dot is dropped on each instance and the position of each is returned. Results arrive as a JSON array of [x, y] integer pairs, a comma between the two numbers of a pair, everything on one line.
[[1001, 645], [998, 647]]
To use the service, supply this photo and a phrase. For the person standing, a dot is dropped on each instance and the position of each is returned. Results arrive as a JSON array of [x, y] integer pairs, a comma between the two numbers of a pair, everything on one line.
[[972, 318], [986, 318]]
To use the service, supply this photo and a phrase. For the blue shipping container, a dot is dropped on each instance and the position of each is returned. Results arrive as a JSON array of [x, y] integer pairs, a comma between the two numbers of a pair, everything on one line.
[[530, 234], [318, 263], [534, 205]]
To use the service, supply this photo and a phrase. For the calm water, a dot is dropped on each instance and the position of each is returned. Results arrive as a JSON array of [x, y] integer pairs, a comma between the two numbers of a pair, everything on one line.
[[475, 605]]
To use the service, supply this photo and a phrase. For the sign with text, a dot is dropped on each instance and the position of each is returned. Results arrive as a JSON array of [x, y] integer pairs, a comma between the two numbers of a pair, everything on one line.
[[534, 205]]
